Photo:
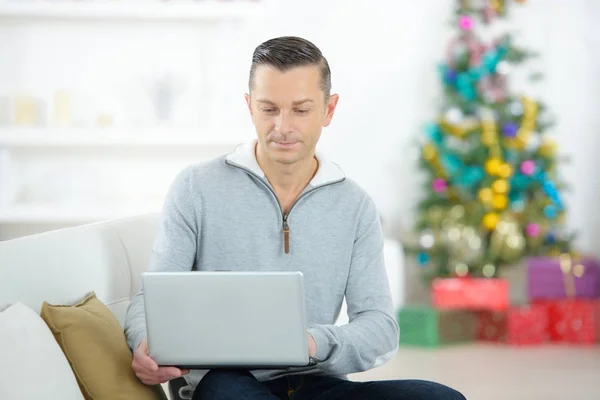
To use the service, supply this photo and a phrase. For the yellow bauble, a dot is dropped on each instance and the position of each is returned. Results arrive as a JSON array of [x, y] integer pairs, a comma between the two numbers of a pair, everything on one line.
[[489, 138], [496, 5], [548, 148], [490, 220], [429, 152], [505, 171], [486, 195], [492, 165], [500, 201], [500, 186]]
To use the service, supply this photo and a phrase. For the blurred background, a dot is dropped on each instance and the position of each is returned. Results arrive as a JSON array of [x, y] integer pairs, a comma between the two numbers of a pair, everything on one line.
[[102, 103]]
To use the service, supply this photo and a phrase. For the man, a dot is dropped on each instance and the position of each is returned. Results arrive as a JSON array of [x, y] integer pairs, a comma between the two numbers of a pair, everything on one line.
[[275, 204]]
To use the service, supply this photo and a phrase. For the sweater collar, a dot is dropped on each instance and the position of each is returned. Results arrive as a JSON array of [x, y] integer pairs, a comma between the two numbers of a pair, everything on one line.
[[245, 156]]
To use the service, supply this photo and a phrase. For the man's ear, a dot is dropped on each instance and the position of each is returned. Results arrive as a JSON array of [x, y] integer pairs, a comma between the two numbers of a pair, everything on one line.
[[330, 109], [248, 102]]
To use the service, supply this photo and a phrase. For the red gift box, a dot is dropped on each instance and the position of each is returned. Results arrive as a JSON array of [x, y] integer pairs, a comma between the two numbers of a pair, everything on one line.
[[470, 293], [519, 325], [574, 321]]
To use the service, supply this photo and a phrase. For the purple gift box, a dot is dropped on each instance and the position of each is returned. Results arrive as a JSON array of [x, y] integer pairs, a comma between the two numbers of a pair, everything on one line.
[[545, 279]]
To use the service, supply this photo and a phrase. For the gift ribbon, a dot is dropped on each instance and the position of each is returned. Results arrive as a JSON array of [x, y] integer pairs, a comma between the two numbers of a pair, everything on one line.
[[570, 272]]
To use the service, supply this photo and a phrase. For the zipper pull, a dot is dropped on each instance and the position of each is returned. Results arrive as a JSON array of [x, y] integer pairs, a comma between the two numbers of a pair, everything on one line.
[[286, 235]]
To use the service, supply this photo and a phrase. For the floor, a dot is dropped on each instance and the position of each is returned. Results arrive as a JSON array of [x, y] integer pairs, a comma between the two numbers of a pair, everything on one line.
[[490, 372]]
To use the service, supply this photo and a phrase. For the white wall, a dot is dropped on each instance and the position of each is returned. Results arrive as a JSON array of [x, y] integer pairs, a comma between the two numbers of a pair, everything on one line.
[[383, 55]]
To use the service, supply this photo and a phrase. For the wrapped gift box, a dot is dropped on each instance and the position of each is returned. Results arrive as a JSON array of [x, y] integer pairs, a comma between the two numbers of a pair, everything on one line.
[[546, 279], [519, 325], [575, 321], [470, 293], [426, 326]]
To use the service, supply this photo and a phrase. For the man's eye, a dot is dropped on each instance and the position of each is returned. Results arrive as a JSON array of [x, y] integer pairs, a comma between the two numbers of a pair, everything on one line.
[[269, 110], [302, 111]]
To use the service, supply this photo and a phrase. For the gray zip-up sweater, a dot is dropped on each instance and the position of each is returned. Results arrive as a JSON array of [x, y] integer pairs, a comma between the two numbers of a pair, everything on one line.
[[225, 213]]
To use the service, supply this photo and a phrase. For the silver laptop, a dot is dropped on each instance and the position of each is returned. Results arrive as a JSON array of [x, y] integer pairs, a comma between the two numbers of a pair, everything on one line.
[[204, 320]]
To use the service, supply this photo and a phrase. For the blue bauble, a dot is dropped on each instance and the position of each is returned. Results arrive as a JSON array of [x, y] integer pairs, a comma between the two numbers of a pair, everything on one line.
[[422, 258], [451, 163], [551, 238], [510, 129], [450, 76], [519, 182], [550, 211], [433, 132]]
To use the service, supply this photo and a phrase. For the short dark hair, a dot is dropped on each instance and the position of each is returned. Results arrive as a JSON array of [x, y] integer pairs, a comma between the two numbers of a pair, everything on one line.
[[287, 52]]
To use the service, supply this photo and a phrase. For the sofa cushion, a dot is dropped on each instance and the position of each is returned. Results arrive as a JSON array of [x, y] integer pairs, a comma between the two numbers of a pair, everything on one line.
[[32, 365], [94, 343], [61, 267]]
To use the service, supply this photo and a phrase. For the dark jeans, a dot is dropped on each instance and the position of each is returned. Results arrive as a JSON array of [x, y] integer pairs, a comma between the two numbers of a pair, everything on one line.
[[241, 385]]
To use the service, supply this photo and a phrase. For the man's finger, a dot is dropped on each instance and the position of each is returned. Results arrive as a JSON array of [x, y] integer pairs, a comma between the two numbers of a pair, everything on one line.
[[146, 362], [170, 371]]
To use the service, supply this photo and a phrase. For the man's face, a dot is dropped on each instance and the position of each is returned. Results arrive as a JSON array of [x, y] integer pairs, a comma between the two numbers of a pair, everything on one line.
[[289, 110]]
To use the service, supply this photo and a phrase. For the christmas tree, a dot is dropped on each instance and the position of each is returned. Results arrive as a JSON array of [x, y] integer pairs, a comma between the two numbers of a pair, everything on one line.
[[492, 194]]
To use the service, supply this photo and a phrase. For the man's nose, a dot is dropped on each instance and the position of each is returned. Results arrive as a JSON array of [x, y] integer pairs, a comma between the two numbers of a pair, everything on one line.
[[283, 123]]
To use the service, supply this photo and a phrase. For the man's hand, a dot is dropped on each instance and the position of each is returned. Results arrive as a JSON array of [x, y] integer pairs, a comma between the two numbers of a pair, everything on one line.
[[148, 371], [312, 346]]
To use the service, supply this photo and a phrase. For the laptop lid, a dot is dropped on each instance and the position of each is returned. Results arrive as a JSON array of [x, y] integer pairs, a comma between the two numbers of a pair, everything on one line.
[[204, 320]]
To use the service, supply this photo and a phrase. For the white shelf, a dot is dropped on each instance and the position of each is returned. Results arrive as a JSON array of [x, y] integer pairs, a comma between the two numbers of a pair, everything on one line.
[[41, 214], [131, 10], [21, 137]]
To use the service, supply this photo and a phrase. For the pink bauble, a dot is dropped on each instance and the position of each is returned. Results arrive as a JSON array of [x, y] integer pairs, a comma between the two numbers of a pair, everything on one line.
[[465, 22], [528, 167], [439, 185], [533, 230]]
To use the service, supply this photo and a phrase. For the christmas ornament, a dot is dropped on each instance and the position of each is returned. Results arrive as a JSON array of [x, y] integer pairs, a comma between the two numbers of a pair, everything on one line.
[[516, 108], [486, 195], [528, 167], [519, 181], [461, 269], [500, 202], [510, 129], [439, 185], [550, 238], [505, 171], [492, 165], [429, 152], [427, 239], [534, 141], [500, 186], [503, 68], [548, 148], [488, 270], [465, 22], [533, 229], [454, 115], [550, 211], [450, 75], [422, 258], [490, 220], [517, 206], [433, 133], [513, 249]]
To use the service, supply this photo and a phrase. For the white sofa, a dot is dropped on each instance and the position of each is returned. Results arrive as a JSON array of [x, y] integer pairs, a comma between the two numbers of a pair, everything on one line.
[[63, 266]]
